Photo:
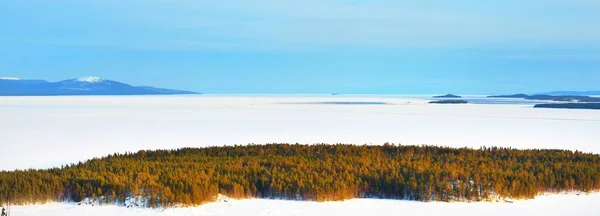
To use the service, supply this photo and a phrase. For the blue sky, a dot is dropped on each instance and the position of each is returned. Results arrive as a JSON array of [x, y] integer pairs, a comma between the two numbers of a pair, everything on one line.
[[320, 46]]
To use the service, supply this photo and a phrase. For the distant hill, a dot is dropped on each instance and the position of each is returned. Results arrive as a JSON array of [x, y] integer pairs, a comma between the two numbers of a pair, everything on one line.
[[447, 96], [82, 86]]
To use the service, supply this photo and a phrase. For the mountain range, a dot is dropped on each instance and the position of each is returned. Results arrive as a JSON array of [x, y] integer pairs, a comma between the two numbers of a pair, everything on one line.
[[82, 86]]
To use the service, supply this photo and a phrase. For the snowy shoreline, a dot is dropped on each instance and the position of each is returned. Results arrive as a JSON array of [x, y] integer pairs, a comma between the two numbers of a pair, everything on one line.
[[548, 204]]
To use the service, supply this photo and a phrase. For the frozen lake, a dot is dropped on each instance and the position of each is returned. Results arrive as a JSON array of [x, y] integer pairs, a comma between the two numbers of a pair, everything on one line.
[[41, 132]]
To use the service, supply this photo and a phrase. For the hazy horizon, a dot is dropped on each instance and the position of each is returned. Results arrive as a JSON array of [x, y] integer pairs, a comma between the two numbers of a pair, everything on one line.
[[348, 92], [465, 47]]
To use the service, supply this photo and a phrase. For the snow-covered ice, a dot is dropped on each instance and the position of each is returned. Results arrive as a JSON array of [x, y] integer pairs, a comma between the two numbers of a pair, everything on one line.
[[42, 132], [551, 205]]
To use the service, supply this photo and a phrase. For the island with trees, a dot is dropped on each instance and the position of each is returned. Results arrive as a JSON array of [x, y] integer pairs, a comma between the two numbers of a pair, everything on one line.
[[194, 176], [595, 106], [449, 102]]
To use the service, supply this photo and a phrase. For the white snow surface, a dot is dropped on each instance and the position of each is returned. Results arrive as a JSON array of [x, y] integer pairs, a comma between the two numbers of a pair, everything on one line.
[[42, 132], [10, 78], [90, 79], [549, 205]]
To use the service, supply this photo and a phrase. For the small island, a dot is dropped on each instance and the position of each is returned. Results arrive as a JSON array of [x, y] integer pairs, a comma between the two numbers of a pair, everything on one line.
[[449, 102], [447, 96], [594, 106]]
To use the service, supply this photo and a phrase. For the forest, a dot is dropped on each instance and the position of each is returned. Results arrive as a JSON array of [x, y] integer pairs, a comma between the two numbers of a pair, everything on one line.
[[323, 172], [593, 106]]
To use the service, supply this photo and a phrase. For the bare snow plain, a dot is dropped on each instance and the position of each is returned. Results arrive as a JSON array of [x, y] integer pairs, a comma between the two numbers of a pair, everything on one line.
[[43, 132]]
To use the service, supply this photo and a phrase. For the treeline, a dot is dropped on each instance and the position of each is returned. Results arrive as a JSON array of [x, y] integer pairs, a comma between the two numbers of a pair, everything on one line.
[[449, 102], [193, 176], [569, 105]]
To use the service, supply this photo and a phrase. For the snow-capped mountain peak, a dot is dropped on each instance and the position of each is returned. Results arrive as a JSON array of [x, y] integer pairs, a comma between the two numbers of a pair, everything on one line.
[[81, 86], [90, 79]]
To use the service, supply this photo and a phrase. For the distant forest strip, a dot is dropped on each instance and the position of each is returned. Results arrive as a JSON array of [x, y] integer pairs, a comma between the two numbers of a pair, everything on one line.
[[594, 106], [193, 176]]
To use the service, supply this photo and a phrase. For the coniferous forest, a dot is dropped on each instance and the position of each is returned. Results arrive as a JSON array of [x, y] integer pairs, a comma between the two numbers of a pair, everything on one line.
[[193, 176]]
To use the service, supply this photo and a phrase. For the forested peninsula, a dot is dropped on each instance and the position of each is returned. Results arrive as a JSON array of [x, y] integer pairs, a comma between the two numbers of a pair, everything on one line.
[[592, 106], [193, 176]]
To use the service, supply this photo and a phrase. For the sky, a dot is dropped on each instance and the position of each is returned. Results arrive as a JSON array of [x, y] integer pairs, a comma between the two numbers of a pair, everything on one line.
[[309, 46]]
